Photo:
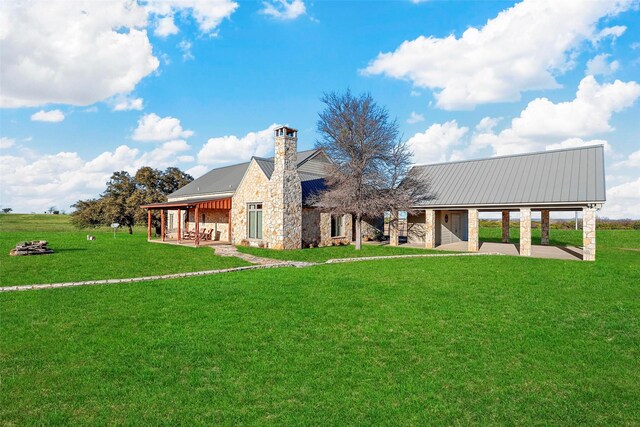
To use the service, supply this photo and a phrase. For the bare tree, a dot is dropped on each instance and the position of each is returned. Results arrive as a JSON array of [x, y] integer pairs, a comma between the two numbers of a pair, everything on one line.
[[371, 170]]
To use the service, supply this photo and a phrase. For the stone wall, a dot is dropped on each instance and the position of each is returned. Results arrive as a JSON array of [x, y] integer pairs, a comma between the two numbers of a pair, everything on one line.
[[325, 230], [506, 224], [284, 218], [430, 229], [416, 228], [544, 227], [254, 188], [473, 231], [311, 227]]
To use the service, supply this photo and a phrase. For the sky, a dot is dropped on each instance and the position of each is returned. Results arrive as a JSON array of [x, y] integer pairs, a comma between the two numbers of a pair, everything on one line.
[[92, 87]]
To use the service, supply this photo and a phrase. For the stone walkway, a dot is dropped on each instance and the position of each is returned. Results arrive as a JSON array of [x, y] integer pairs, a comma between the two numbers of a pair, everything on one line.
[[228, 250]]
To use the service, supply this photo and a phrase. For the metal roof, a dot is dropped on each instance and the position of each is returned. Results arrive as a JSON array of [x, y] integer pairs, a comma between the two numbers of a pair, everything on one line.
[[572, 176], [226, 179]]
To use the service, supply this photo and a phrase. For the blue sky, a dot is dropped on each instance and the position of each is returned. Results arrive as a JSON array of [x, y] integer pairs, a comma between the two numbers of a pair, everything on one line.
[[88, 87]]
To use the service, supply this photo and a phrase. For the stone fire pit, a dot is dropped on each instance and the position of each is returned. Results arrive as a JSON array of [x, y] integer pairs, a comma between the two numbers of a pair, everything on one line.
[[36, 247]]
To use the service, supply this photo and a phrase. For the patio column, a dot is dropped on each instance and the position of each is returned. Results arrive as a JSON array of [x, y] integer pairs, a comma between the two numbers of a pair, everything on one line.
[[506, 225], [473, 239], [229, 219], [430, 229], [525, 232], [588, 234], [148, 224], [393, 228], [196, 241], [162, 224], [544, 227], [179, 225]]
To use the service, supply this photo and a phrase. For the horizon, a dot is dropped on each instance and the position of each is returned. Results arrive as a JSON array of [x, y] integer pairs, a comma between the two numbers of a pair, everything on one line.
[[200, 86]]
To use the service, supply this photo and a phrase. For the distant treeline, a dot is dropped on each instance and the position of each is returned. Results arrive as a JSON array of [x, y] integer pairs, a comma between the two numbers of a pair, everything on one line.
[[570, 224]]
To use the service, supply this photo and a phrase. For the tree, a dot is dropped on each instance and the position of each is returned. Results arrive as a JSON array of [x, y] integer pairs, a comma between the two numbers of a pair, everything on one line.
[[121, 201], [7, 210], [51, 209], [370, 174]]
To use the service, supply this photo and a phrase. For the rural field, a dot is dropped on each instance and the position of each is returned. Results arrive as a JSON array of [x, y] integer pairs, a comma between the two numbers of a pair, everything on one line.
[[450, 340]]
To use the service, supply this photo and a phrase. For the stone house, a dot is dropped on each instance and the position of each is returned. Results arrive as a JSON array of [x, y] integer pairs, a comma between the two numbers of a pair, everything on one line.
[[263, 202]]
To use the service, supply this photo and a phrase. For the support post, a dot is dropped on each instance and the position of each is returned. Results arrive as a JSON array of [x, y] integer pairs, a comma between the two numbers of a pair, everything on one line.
[[430, 229], [148, 224], [473, 231], [196, 241], [544, 227], [179, 225], [229, 219], [506, 226], [162, 224], [525, 232], [394, 238], [589, 234]]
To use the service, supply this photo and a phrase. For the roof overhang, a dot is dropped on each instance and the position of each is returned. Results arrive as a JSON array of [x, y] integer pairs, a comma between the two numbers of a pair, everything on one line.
[[220, 202], [553, 206]]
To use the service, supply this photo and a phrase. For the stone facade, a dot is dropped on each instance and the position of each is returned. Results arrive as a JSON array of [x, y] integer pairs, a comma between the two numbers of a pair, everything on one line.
[[544, 227], [473, 244], [325, 230], [506, 226], [284, 219], [310, 227], [430, 229], [589, 234], [254, 188], [525, 232]]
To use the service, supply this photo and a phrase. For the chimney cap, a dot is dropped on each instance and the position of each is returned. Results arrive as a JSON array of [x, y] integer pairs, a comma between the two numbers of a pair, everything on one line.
[[286, 131]]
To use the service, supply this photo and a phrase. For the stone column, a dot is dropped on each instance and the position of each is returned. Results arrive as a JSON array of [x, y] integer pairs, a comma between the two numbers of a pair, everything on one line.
[[544, 227], [506, 224], [394, 239], [525, 232], [474, 228], [589, 234], [430, 229]]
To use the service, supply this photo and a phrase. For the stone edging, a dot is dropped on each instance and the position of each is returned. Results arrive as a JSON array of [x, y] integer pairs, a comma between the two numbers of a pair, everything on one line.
[[270, 264]]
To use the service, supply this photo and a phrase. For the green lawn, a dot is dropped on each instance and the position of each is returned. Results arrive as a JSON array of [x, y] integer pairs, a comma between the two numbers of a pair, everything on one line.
[[77, 259], [461, 340], [333, 252]]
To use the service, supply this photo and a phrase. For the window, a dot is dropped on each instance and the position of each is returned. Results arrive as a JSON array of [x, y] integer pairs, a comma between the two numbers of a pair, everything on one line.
[[254, 221], [337, 225], [203, 218]]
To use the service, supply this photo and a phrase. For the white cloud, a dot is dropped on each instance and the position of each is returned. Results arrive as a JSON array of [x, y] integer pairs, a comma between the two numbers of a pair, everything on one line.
[[231, 149], [53, 116], [33, 184], [284, 9], [415, 118], [84, 51], [165, 27], [433, 145], [152, 127], [521, 49], [6, 142], [599, 65], [544, 124], [578, 142], [623, 201], [633, 161], [127, 103], [185, 47], [198, 170]]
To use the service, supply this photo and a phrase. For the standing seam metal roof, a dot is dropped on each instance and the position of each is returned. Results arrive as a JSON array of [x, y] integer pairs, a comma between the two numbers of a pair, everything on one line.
[[571, 176]]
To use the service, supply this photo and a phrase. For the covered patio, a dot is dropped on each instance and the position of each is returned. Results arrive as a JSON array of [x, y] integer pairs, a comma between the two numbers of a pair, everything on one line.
[[570, 180], [192, 222]]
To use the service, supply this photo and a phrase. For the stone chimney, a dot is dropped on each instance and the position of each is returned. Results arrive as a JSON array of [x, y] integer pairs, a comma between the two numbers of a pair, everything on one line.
[[285, 192]]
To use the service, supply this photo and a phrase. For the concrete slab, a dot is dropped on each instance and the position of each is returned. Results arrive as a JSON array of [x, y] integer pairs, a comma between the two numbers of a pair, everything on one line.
[[537, 251]]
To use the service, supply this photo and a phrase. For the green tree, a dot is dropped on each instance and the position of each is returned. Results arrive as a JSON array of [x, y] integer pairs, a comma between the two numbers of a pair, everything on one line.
[[7, 210]]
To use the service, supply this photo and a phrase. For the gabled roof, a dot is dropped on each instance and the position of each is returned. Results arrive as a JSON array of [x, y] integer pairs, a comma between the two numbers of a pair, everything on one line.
[[572, 177], [226, 179]]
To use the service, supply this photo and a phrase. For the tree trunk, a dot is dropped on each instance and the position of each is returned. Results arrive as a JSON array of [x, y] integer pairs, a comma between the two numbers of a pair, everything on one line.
[[358, 232]]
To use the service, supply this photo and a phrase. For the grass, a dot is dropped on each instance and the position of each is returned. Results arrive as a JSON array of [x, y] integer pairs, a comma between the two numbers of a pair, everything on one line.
[[76, 259], [332, 252], [462, 340]]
